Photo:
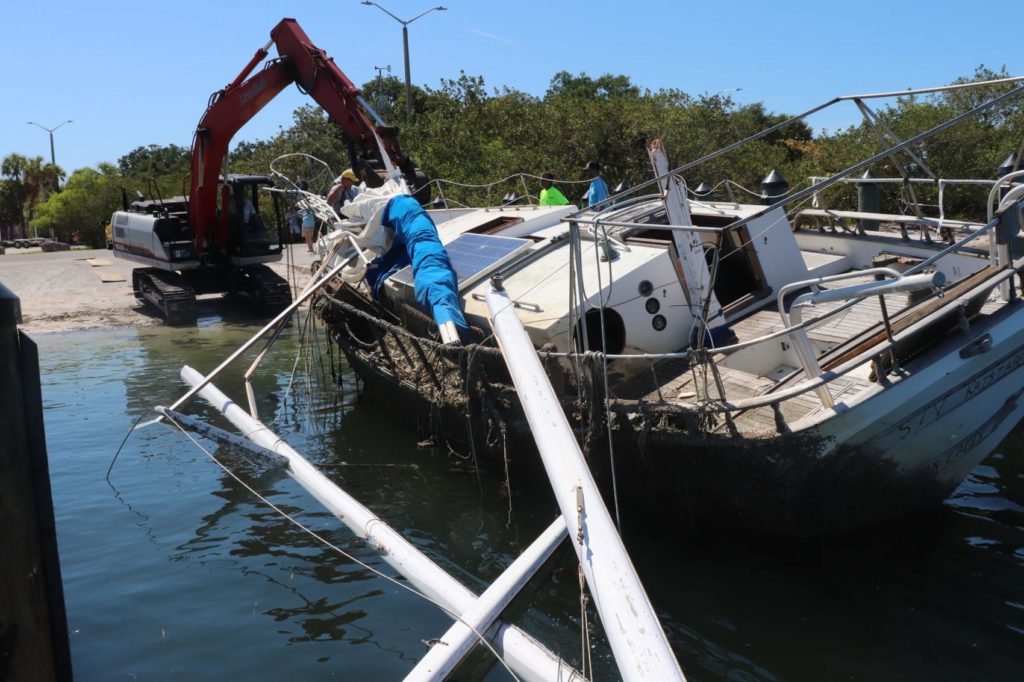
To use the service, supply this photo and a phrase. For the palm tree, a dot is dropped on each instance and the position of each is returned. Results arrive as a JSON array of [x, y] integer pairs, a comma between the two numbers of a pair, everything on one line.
[[38, 178], [13, 168]]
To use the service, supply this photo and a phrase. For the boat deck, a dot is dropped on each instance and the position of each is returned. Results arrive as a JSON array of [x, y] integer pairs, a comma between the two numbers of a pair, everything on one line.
[[674, 382], [738, 385]]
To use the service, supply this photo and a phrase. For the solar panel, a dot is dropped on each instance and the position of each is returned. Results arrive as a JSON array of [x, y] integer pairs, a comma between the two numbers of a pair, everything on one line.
[[473, 257]]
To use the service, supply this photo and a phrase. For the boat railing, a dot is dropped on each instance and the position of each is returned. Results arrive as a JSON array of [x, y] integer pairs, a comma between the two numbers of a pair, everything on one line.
[[873, 121], [938, 223], [798, 328], [616, 200], [843, 369], [802, 344]]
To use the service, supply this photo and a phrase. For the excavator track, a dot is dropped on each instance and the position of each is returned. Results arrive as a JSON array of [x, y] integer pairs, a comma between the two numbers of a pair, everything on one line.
[[165, 291], [269, 290]]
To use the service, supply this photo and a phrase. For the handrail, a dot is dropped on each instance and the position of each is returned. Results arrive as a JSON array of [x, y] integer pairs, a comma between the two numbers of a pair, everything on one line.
[[892, 150], [792, 286], [861, 165], [804, 193], [942, 88], [802, 345], [846, 367]]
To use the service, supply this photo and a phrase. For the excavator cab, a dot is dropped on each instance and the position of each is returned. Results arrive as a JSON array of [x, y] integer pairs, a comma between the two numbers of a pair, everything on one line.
[[254, 220]]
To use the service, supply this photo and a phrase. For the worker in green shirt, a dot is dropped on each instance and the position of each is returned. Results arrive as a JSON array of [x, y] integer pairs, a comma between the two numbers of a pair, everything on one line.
[[549, 194]]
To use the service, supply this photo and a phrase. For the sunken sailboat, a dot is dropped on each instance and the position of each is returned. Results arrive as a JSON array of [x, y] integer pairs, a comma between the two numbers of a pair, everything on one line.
[[766, 366]]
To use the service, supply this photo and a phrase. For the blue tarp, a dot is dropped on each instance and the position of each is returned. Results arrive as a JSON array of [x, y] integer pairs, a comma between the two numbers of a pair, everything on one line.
[[416, 243]]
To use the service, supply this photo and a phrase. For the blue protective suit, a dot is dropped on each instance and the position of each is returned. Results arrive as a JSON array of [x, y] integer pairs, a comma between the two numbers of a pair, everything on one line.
[[416, 243]]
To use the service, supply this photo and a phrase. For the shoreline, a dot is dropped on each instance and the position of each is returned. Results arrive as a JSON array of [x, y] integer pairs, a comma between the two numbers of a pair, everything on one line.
[[85, 289]]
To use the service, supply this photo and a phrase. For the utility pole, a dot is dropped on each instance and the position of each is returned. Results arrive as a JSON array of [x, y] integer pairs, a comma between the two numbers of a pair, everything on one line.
[[405, 46]]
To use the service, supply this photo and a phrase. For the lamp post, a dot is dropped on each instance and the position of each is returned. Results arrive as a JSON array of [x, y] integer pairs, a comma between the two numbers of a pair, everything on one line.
[[405, 45], [53, 158]]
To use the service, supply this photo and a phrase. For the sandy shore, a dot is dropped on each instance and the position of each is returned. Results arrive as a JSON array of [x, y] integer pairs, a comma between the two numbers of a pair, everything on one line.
[[65, 290]]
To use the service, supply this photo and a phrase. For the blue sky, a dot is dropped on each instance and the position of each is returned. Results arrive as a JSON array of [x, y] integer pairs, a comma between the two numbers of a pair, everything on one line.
[[132, 74]]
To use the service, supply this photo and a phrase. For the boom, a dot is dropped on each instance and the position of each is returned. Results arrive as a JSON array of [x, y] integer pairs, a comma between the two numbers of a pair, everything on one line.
[[299, 62]]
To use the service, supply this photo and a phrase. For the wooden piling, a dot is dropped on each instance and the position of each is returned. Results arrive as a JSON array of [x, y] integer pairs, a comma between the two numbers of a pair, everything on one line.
[[33, 624]]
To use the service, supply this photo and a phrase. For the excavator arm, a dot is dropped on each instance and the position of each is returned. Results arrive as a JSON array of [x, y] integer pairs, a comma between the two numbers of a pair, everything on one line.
[[316, 74]]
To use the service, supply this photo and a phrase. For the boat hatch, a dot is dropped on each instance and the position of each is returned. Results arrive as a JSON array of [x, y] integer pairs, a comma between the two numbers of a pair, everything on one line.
[[740, 278], [496, 225]]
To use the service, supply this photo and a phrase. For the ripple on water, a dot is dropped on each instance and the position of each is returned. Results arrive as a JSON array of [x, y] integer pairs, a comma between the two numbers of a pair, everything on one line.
[[175, 570]]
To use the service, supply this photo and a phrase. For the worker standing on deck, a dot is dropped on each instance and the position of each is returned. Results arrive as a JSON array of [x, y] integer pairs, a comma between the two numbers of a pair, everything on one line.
[[345, 189], [598, 190], [549, 194]]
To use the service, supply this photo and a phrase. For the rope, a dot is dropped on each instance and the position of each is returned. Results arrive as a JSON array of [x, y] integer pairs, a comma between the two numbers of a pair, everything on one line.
[[327, 543]]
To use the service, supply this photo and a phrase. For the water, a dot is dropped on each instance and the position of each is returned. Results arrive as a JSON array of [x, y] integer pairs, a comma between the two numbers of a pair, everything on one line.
[[176, 571]]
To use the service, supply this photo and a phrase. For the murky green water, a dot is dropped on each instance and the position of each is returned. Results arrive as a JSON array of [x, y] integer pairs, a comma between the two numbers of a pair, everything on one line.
[[175, 571]]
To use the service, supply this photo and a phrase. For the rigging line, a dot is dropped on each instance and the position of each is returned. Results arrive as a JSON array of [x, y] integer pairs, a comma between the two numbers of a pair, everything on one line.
[[508, 477], [121, 447], [604, 372], [291, 376], [327, 543], [510, 178], [469, 421], [585, 661], [575, 341], [306, 345]]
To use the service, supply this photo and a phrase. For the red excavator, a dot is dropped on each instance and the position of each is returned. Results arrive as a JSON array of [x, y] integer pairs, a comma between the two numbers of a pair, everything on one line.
[[217, 239]]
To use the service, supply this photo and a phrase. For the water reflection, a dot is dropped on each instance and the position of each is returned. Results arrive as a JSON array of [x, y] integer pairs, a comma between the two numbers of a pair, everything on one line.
[[180, 547]]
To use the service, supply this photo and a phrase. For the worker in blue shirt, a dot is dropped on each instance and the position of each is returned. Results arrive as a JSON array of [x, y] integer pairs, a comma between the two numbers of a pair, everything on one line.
[[598, 190]]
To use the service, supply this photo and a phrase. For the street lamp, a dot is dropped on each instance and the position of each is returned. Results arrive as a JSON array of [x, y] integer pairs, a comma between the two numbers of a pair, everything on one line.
[[405, 44], [53, 158]]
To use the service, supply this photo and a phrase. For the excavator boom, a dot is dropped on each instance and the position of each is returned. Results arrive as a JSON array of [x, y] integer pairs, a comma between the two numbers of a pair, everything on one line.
[[300, 62], [218, 239]]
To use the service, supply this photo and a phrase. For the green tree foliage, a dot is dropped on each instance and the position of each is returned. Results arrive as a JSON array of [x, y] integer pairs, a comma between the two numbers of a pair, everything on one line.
[[971, 149], [311, 133], [85, 205], [469, 134], [157, 170], [387, 96], [27, 182], [12, 197]]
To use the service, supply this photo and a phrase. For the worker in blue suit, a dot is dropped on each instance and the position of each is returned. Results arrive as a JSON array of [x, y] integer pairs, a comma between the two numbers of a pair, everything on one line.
[[416, 243]]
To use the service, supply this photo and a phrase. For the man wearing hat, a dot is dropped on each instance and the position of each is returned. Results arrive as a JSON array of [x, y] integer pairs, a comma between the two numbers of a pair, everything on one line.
[[598, 190], [344, 190]]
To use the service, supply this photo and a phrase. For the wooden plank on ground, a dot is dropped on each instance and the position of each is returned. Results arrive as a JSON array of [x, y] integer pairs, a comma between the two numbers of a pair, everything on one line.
[[110, 275], [97, 262]]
